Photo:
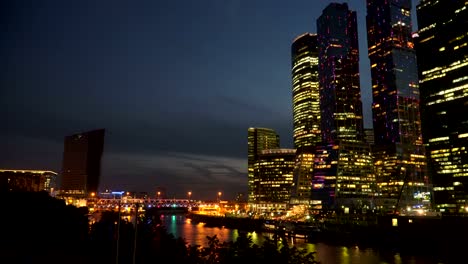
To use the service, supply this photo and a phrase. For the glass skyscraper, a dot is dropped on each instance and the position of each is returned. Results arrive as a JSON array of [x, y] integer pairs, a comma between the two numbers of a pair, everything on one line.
[[343, 175], [258, 139], [398, 150], [442, 49], [306, 112], [340, 94], [306, 97]]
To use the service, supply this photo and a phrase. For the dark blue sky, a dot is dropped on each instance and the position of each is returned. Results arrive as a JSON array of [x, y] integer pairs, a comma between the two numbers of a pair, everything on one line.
[[175, 83]]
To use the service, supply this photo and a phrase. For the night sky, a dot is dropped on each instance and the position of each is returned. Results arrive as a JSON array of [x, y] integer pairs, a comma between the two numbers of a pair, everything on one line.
[[176, 84]]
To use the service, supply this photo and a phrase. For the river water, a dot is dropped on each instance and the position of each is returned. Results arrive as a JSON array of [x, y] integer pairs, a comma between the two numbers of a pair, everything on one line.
[[195, 234]]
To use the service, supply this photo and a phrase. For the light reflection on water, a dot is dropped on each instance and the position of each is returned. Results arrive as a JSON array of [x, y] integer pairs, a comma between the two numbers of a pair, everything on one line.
[[195, 234]]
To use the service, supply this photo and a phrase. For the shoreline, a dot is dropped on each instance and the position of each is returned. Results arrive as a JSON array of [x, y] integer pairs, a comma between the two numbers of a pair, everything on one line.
[[442, 236]]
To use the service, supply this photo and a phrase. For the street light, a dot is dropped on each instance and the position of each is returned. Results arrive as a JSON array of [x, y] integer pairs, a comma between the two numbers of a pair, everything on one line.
[[219, 196], [189, 195], [159, 193]]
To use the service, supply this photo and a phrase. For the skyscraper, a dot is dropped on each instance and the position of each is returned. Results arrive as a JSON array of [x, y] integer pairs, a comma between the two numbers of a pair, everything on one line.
[[340, 95], [442, 49], [306, 112], [399, 151], [258, 139], [81, 169], [306, 97], [343, 172]]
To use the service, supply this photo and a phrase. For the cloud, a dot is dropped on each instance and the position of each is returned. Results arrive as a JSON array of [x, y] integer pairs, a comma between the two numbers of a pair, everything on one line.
[[177, 172]]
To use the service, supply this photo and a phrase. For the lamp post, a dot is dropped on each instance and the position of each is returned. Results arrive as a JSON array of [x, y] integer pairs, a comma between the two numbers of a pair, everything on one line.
[[159, 194], [118, 230], [189, 195], [219, 196]]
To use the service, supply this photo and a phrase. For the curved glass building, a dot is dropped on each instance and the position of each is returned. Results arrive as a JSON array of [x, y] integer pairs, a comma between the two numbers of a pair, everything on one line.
[[306, 97]]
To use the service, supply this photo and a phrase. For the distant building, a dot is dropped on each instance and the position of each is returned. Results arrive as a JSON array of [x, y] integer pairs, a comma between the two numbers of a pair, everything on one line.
[[273, 178], [81, 169], [443, 81], [240, 197], [27, 180], [369, 136], [258, 139], [398, 150], [306, 97]]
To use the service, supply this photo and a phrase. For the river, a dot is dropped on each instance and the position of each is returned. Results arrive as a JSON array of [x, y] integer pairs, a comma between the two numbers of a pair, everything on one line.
[[195, 234]]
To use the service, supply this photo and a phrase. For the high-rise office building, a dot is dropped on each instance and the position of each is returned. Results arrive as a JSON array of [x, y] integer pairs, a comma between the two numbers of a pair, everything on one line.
[[306, 113], [306, 97], [340, 94], [398, 151], [81, 169], [258, 139], [442, 49], [343, 172], [273, 172]]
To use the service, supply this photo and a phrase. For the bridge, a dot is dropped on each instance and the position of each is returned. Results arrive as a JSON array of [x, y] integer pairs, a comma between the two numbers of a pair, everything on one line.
[[129, 204]]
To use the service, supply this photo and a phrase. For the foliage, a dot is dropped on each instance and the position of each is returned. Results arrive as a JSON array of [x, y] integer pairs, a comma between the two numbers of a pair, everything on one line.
[[40, 229]]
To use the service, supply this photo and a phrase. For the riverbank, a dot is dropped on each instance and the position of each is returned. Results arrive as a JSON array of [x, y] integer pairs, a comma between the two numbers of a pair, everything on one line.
[[447, 236]]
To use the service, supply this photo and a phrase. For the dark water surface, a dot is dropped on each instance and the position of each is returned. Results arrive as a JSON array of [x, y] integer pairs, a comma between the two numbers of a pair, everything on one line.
[[195, 234]]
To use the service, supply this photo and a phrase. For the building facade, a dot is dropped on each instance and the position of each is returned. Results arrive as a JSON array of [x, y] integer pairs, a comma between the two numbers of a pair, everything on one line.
[[369, 136], [344, 177], [81, 168], [305, 91], [340, 94], [399, 151], [343, 174], [442, 49], [28, 181], [303, 174], [273, 179], [258, 139]]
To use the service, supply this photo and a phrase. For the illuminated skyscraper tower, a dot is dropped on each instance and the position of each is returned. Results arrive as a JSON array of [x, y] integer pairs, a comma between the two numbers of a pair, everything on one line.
[[258, 139], [306, 113], [340, 94], [306, 97], [343, 173], [442, 49], [399, 151]]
